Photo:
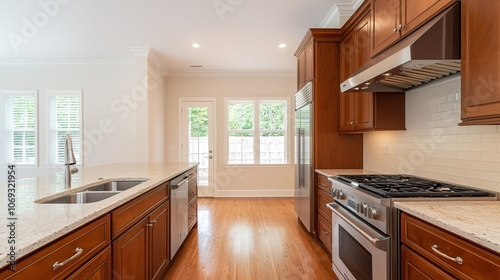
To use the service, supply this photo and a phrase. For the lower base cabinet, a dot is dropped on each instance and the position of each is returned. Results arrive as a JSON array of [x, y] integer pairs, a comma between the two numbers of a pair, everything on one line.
[[429, 252], [143, 251]]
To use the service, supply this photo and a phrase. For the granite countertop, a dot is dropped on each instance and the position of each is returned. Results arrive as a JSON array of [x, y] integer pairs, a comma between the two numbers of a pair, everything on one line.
[[39, 224], [477, 221]]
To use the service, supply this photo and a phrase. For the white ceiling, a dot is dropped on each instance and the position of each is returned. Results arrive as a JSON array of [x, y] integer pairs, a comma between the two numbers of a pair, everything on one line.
[[235, 35]]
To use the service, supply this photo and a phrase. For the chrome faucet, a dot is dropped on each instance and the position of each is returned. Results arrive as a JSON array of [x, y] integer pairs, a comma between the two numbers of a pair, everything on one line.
[[69, 159]]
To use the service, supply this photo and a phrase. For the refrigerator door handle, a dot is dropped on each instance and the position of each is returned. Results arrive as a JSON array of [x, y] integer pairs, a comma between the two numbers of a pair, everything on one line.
[[300, 133]]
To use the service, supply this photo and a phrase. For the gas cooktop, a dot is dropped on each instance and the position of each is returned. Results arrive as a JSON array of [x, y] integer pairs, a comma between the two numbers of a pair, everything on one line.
[[395, 185]]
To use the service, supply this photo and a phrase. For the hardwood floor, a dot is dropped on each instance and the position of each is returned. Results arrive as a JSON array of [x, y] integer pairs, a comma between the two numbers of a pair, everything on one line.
[[250, 238]]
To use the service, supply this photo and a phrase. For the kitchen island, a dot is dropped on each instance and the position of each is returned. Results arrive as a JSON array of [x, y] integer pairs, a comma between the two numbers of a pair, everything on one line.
[[38, 224]]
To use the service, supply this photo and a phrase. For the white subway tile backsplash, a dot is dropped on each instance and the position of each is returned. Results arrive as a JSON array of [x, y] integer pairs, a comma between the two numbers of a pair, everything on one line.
[[434, 145], [469, 138], [484, 147], [482, 129]]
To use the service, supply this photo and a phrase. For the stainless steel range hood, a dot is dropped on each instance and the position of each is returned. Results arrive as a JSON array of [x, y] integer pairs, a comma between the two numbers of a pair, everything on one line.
[[429, 53]]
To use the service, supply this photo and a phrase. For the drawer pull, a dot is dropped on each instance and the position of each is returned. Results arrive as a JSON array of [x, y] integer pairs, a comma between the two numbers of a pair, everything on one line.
[[57, 265], [325, 232], [153, 222], [457, 259]]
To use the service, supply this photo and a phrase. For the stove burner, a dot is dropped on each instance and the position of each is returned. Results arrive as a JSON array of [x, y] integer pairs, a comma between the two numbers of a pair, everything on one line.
[[394, 185]]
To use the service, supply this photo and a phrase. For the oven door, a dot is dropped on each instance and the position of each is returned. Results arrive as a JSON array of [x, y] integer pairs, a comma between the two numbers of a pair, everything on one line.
[[358, 250]]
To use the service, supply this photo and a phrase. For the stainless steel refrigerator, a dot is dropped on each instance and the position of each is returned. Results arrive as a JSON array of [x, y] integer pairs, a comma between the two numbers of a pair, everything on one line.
[[304, 169]]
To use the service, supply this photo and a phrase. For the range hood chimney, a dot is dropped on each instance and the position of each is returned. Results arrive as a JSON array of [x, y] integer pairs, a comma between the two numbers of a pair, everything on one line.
[[429, 53]]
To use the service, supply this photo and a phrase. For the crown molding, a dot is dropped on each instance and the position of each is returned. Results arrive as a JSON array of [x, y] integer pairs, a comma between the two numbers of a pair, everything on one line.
[[340, 11], [151, 55], [60, 63], [232, 74]]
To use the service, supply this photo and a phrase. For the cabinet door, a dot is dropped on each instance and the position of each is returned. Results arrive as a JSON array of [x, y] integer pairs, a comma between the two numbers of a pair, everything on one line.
[[159, 257], [480, 62], [309, 64], [363, 110], [346, 111], [130, 253], [362, 41], [416, 12], [98, 268], [413, 266], [386, 19], [345, 58], [301, 70]]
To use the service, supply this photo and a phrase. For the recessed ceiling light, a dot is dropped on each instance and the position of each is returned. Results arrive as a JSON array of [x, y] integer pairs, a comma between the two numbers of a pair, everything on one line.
[[282, 46], [196, 45], [196, 66]]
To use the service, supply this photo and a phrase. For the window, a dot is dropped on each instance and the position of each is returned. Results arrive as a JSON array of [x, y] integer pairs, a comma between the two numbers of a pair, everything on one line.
[[20, 141], [65, 117], [257, 131]]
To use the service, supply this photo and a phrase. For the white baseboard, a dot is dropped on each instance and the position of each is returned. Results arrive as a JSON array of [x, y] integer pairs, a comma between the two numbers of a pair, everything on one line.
[[254, 193]]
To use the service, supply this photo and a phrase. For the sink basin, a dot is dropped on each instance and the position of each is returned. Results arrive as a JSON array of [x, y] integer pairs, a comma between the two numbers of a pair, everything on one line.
[[81, 197], [114, 186]]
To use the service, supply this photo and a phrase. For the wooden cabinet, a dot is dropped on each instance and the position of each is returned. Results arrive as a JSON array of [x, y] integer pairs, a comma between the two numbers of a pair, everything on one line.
[[365, 111], [70, 252], [430, 250], [394, 19], [305, 66], [324, 213], [192, 198], [480, 62], [141, 226], [369, 111]]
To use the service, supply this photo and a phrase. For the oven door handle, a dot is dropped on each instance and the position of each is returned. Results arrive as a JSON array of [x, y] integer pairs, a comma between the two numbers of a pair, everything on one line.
[[379, 242]]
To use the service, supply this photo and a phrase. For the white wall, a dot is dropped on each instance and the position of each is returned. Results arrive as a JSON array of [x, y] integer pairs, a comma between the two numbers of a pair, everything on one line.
[[259, 181], [107, 97], [434, 145]]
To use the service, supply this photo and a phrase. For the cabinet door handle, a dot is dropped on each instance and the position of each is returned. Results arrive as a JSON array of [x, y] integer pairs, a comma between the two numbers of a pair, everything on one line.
[[325, 232], [457, 259], [152, 223], [78, 252]]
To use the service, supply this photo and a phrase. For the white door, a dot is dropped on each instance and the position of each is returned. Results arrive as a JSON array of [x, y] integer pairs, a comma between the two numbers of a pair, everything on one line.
[[197, 141]]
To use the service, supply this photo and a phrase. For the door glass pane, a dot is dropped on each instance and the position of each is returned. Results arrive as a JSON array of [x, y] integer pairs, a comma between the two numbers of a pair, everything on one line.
[[198, 149], [355, 257]]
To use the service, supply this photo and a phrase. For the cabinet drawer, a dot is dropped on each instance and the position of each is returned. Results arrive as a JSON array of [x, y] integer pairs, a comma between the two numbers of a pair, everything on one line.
[[478, 263], [128, 214], [413, 266], [192, 215], [324, 198], [325, 232], [324, 184], [192, 193], [91, 238], [192, 174]]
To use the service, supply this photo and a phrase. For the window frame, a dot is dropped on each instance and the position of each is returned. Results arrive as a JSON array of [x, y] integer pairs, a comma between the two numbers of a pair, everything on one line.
[[51, 131], [256, 131], [5, 157]]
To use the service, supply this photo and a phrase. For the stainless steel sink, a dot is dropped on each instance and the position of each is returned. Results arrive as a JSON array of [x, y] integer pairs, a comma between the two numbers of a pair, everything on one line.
[[115, 186], [81, 197]]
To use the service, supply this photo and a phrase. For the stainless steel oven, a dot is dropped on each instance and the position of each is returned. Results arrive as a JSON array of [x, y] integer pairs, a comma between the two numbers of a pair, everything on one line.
[[365, 225], [358, 250]]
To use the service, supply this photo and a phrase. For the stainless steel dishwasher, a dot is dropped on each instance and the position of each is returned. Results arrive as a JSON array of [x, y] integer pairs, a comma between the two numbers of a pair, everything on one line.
[[178, 212]]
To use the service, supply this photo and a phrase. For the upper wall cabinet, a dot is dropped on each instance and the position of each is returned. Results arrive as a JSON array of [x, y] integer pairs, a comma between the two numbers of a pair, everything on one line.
[[305, 65], [480, 62], [365, 111], [393, 19]]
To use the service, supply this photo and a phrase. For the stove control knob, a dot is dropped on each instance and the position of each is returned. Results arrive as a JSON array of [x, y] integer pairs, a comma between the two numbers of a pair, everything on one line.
[[364, 209], [332, 192], [339, 194], [372, 213]]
